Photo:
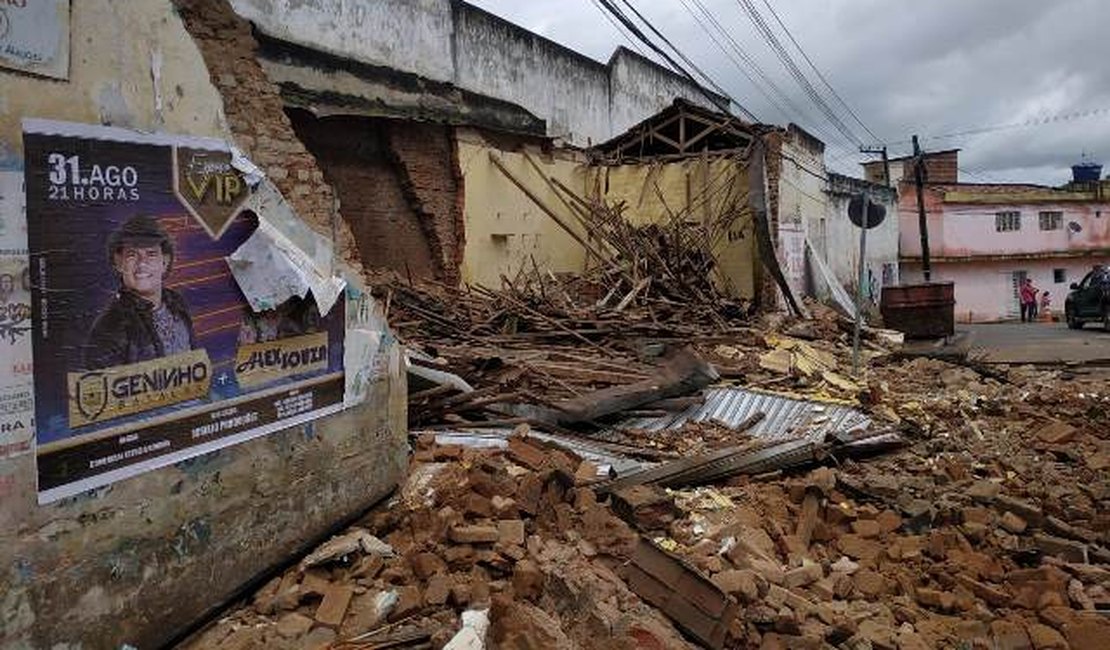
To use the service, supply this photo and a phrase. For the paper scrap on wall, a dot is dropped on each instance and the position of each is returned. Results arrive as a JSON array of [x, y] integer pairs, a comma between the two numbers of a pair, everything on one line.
[[17, 427], [34, 36]]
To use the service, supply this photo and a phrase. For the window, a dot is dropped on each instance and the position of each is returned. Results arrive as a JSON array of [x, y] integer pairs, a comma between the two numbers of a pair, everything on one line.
[[1007, 221], [1052, 220], [1059, 276]]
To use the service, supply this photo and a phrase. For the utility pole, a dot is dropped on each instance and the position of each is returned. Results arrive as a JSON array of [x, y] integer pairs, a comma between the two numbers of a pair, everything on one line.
[[922, 224]]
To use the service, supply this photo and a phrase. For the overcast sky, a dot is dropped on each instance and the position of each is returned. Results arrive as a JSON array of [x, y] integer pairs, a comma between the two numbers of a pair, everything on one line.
[[934, 68]]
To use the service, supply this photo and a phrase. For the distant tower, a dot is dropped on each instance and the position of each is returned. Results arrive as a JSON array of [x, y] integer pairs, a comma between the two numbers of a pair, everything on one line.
[[1086, 171]]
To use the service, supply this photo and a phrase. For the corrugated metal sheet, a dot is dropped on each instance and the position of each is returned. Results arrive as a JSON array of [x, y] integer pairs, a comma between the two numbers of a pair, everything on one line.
[[786, 417]]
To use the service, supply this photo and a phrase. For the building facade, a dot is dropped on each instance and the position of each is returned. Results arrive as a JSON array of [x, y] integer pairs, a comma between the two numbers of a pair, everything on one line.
[[988, 238]]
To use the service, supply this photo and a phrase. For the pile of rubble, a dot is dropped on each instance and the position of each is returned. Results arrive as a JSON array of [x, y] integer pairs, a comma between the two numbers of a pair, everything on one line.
[[990, 529]]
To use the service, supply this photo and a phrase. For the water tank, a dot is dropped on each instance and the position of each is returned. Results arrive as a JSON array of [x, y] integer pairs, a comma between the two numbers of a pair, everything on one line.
[[1086, 172]]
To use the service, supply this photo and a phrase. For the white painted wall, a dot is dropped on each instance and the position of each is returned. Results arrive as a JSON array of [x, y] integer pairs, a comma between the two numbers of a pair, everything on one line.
[[411, 35], [835, 234], [582, 100]]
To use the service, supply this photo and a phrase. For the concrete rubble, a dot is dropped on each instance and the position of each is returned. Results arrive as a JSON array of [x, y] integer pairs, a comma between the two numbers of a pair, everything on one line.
[[985, 524]]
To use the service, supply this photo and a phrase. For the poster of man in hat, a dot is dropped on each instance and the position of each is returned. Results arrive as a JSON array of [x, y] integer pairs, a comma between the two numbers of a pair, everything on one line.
[[145, 320], [137, 322]]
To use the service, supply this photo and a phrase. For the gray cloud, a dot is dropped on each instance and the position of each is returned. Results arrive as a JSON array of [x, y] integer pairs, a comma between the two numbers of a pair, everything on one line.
[[905, 66]]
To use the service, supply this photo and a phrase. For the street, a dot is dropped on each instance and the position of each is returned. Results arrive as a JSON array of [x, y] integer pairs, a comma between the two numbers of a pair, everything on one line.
[[1041, 343]]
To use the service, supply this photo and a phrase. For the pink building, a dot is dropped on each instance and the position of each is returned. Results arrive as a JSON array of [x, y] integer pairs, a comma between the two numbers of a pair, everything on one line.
[[986, 238]]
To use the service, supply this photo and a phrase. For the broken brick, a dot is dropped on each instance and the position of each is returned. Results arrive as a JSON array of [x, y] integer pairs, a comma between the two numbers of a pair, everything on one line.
[[409, 601], [870, 584], [333, 607], [474, 534], [804, 575], [293, 625], [939, 600], [1013, 523], [1057, 433], [1065, 549], [1044, 637], [1008, 635], [510, 532], [438, 590], [991, 595], [503, 508], [477, 505], [425, 565], [526, 454], [867, 528], [646, 507], [527, 580]]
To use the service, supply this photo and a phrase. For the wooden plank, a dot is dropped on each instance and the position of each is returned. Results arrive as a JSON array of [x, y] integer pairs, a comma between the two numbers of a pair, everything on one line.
[[685, 373]]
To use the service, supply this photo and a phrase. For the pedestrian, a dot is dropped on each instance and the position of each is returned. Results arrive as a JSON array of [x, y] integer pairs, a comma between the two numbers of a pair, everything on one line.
[[1046, 302], [1027, 295]]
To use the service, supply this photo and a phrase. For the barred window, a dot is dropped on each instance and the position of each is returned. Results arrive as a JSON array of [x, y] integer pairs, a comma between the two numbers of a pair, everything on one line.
[[1007, 221], [1052, 220]]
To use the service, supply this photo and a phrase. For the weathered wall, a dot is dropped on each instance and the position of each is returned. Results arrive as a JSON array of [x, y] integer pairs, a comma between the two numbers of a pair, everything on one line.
[[639, 88], [940, 167], [505, 231], [412, 35], [450, 41], [135, 561], [654, 192], [800, 199], [835, 237], [497, 58]]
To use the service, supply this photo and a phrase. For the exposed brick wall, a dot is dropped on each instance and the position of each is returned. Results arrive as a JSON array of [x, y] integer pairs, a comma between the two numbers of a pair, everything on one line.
[[767, 288], [256, 117], [355, 156], [427, 160], [939, 167]]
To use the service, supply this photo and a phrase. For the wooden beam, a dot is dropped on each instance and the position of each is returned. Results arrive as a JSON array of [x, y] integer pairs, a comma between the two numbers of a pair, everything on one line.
[[544, 207]]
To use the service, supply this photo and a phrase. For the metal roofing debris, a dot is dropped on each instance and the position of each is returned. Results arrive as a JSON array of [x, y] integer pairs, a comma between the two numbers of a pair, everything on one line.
[[498, 439], [787, 418]]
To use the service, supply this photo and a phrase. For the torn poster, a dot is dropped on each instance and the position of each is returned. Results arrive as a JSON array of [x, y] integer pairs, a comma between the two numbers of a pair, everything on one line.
[[146, 351], [271, 268], [17, 414]]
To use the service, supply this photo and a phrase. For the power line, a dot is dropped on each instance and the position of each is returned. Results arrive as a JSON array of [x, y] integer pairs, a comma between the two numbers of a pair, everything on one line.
[[738, 51], [619, 28], [1032, 122], [677, 51], [818, 72], [611, 7], [788, 62]]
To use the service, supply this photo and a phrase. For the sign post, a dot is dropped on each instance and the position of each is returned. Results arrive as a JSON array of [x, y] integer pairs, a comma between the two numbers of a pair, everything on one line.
[[866, 215]]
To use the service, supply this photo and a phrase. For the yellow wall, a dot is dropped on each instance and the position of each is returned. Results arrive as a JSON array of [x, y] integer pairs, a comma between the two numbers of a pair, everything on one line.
[[653, 192], [504, 228]]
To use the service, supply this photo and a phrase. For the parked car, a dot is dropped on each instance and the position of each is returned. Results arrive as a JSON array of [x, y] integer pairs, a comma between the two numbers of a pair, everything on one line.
[[1089, 300]]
